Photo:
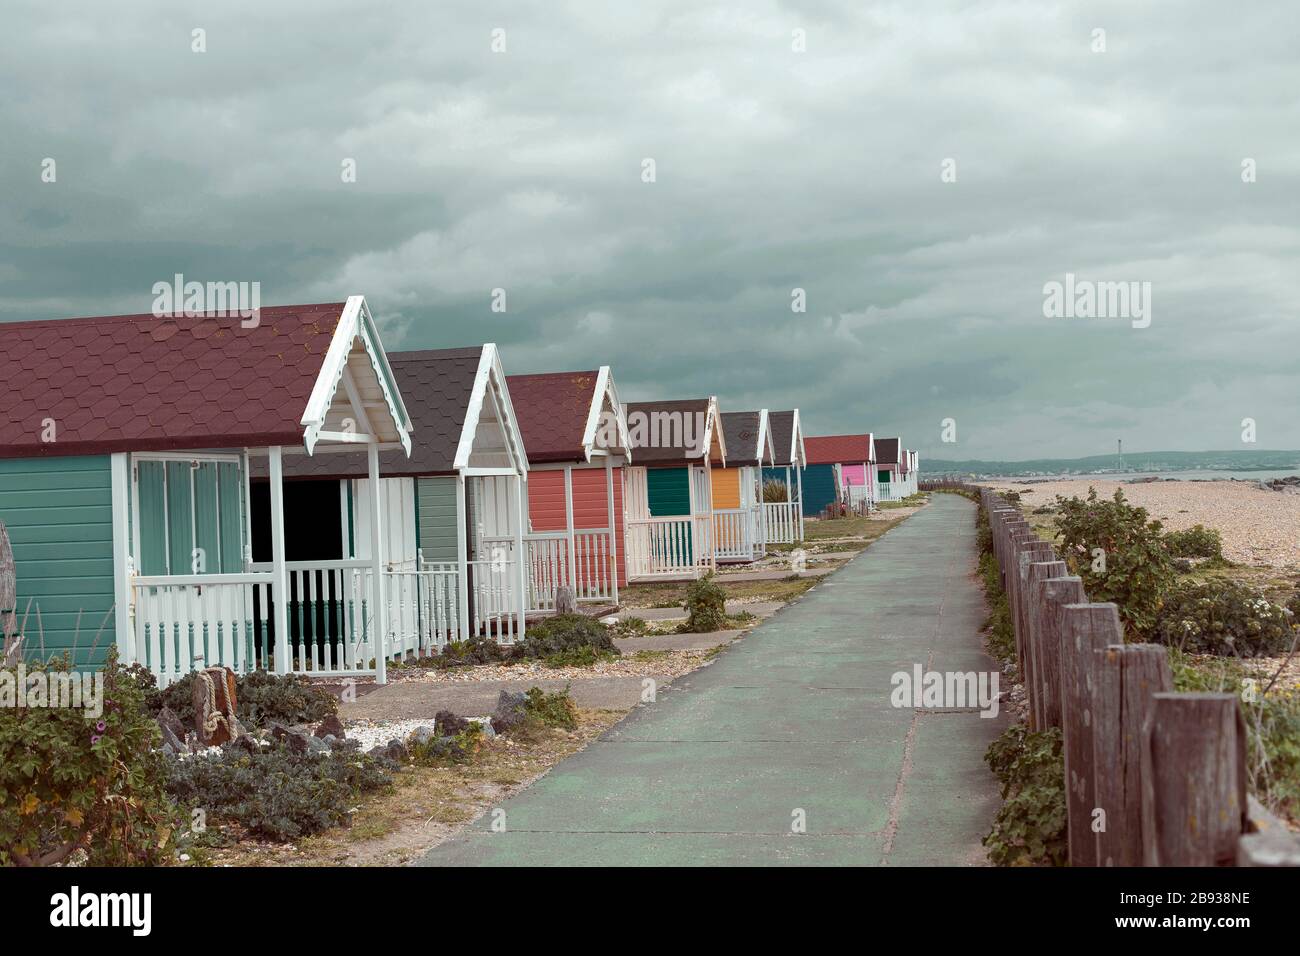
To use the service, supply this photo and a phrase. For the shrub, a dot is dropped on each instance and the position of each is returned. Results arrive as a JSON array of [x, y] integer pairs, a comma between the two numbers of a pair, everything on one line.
[[706, 606], [631, 627], [552, 710], [1030, 827], [1197, 541], [578, 657], [261, 698], [1223, 617], [69, 783], [456, 745], [774, 490], [476, 650], [275, 794], [1133, 568], [566, 634]]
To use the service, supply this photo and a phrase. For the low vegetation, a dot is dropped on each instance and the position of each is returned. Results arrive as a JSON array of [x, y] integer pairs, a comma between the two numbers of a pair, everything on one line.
[[1225, 628], [1030, 826]]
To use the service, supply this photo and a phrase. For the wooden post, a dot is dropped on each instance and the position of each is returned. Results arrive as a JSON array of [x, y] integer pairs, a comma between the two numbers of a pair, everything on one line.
[[1089, 628], [279, 576], [1030, 552], [1193, 780], [1035, 574], [1056, 594], [1127, 677]]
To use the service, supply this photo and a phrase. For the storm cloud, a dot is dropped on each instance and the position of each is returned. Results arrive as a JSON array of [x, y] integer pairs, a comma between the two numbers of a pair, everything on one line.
[[776, 168]]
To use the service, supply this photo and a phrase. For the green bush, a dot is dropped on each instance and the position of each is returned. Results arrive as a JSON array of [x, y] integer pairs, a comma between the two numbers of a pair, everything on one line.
[[274, 793], [69, 783], [261, 698], [457, 743], [566, 634], [1136, 569], [706, 606], [578, 657], [1197, 541], [476, 650], [1222, 617], [556, 709], [1030, 827]]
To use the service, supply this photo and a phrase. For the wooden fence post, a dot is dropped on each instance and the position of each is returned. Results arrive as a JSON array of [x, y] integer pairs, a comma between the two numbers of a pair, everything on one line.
[[1028, 549], [1057, 593], [1089, 628], [1128, 675], [1035, 574], [1193, 780]]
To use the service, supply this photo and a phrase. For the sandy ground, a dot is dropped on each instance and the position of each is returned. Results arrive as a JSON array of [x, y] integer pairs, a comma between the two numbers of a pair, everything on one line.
[[1258, 527]]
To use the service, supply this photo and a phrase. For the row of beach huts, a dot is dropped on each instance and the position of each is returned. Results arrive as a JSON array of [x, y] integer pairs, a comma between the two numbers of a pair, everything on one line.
[[285, 494]]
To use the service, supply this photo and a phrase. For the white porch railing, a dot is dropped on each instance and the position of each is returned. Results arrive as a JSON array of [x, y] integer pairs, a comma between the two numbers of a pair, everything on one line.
[[735, 534], [548, 567], [667, 547], [859, 497], [182, 622], [781, 522], [892, 491]]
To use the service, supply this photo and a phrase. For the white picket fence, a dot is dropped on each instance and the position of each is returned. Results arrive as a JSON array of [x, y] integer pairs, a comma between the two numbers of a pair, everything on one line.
[[668, 547], [781, 522], [184, 622]]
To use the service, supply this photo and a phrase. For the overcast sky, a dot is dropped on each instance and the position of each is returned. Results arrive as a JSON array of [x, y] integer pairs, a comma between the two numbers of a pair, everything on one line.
[[774, 170]]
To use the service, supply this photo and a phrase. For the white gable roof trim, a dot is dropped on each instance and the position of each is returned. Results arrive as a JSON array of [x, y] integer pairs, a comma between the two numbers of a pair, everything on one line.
[[356, 324]]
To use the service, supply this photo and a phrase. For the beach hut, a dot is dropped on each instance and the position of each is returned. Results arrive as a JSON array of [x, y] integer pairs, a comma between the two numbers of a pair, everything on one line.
[[738, 487], [125, 452], [576, 439], [668, 510], [454, 507], [783, 518], [838, 472], [890, 482]]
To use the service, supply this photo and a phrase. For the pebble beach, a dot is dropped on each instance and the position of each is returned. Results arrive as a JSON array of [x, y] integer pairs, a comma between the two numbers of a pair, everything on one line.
[[1258, 527]]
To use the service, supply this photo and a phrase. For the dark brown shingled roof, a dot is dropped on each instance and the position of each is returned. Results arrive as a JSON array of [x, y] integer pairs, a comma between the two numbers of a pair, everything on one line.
[[552, 409], [781, 424], [436, 385], [141, 383], [740, 430], [664, 444], [887, 451]]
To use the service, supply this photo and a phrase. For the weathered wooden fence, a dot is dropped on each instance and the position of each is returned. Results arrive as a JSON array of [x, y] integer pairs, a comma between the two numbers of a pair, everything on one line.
[[1153, 777]]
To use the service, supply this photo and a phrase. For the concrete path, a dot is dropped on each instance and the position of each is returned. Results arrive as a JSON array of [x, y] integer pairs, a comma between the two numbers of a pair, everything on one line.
[[792, 722]]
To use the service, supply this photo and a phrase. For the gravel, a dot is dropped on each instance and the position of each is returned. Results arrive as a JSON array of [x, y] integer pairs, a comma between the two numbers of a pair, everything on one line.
[[377, 733]]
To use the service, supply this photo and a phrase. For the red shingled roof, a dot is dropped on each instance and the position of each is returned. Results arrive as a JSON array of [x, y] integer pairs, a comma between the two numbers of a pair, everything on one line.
[[140, 383], [552, 410], [833, 449]]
